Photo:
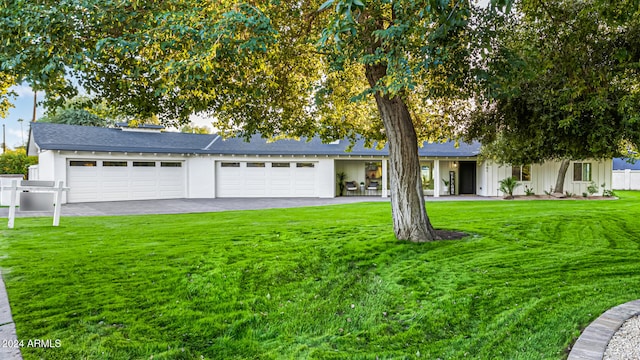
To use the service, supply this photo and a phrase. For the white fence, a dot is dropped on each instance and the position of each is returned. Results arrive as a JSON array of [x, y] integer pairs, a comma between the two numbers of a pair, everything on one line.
[[626, 179]]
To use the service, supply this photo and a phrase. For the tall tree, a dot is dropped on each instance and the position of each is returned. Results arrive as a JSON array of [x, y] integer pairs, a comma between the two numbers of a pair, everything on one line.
[[75, 117], [338, 68], [195, 129], [562, 83], [81, 110]]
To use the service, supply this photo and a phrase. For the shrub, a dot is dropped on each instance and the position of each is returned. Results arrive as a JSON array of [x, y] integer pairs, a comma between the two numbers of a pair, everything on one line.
[[592, 188], [605, 192], [16, 162], [341, 177], [507, 186], [528, 191]]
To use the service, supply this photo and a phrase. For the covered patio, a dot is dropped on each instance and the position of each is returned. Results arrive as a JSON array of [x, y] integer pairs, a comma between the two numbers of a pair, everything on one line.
[[369, 176]]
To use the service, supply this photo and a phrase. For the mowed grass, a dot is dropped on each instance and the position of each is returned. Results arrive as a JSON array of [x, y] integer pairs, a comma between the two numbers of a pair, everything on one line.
[[323, 283]]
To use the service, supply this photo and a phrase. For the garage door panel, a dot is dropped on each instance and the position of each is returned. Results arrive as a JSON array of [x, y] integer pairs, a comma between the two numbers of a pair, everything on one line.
[[171, 182], [113, 180], [83, 185], [275, 179]]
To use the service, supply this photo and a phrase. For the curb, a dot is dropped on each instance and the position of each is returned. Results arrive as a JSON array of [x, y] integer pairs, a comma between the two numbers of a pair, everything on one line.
[[593, 341], [9, 349]]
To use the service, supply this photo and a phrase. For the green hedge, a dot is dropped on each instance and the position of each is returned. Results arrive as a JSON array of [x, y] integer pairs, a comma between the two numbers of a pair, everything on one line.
[[16, 162]]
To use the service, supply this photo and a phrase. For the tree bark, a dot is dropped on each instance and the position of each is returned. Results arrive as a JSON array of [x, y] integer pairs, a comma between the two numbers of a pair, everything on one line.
[[410, 220], [562, 173]]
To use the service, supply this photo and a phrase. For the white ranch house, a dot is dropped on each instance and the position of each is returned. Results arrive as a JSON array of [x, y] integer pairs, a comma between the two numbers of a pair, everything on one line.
[[112, 164]]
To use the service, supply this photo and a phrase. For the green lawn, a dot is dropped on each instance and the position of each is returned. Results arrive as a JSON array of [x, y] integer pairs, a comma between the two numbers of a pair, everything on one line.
[[323, 283]]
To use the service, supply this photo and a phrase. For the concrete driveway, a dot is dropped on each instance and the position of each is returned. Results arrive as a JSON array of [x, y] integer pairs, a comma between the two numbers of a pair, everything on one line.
[[182, 206]]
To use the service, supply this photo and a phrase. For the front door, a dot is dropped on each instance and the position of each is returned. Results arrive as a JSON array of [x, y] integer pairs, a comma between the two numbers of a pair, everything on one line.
[[467, 179]]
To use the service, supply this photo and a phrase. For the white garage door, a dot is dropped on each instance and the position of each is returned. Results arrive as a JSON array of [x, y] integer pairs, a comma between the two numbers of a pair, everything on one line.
[[266, 179], [113, 180]]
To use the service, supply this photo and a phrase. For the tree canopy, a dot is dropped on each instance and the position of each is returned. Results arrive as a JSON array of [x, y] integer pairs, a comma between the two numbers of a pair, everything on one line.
[[299, 65], [6, 81], [75, 117], [195, 129], [562, 84], [82, 110], [337, 68]]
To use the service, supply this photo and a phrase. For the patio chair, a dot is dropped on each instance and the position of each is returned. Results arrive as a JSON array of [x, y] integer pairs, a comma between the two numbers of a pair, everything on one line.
[[372, 187], [351, 187]]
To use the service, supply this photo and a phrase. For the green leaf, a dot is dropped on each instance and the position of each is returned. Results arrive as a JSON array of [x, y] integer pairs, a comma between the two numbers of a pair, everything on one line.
[[325, 5]]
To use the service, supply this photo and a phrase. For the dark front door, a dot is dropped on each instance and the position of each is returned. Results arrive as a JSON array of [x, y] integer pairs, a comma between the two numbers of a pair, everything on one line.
[[467, 177]]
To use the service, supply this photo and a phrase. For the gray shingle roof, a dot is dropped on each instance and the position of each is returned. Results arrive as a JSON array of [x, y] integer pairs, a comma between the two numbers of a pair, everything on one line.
[[87, 138]]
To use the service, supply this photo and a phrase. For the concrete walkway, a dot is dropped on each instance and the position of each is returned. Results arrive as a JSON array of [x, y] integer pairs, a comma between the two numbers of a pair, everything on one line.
[[183, 206], [9, 349]]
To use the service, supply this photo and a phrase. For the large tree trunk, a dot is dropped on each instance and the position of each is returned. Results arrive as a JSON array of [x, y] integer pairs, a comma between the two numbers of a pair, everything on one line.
[[410, 220], [562, 173]]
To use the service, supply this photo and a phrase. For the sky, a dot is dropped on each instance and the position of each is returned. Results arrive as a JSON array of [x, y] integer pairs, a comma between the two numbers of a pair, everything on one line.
[[17, 135], [23, 110]]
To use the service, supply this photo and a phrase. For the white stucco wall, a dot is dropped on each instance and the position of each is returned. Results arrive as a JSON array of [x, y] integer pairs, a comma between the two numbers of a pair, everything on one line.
[[46, 165], [52, 167], [201, 179], [326, 178]]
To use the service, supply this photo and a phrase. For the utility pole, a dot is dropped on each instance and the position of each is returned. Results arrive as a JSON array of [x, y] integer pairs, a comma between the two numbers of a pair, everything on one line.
[[21, 131], [4, 140]]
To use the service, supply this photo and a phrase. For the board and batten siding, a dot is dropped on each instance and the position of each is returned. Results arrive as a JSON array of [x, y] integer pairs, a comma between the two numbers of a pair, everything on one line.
[[543, 177]]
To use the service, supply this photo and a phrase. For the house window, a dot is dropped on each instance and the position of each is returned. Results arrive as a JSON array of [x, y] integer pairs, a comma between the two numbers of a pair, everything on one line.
[[144, 163], [582, 172], [82, 163], [280, 165], [255, 164], [426, 171], [230, 164], [170, 164], [114, 163], [305, 165], [521, 172]]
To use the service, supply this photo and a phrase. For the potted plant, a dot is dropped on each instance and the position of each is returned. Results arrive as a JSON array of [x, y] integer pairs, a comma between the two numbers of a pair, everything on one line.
[[341, 177], [446, 184]]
